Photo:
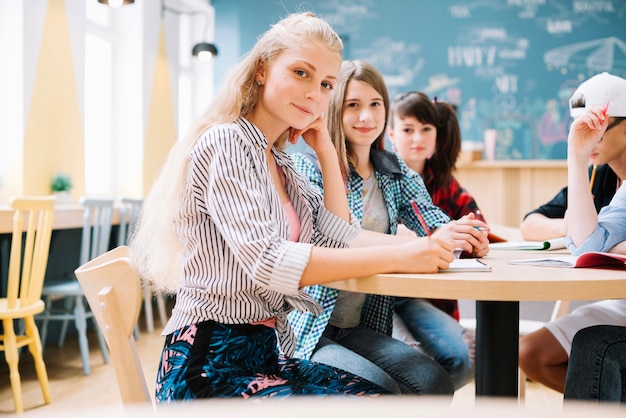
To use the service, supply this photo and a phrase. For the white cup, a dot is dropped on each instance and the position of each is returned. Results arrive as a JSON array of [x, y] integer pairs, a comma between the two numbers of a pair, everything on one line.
[[490, 137]]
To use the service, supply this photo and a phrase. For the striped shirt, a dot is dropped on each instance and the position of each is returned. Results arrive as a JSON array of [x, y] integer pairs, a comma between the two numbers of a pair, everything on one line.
[[399, 185], [239, 266]]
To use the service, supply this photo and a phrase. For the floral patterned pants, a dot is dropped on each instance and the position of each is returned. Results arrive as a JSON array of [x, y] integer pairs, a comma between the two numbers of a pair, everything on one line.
[[209, 359]]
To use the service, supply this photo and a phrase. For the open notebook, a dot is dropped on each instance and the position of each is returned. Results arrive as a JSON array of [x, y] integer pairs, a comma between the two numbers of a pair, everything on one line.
[[591, 259], [552, 244]]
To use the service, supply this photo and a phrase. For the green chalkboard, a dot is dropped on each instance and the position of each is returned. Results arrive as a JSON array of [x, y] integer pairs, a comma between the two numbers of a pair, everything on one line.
[[508, 65]]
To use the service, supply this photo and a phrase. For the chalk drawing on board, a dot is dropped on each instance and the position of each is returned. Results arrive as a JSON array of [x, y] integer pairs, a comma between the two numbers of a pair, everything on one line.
[[399, 62], [350, 15], [606, 54], [439, 82]]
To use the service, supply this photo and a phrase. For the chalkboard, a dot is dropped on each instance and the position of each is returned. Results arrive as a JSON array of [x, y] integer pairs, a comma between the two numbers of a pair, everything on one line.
[[508, 65]]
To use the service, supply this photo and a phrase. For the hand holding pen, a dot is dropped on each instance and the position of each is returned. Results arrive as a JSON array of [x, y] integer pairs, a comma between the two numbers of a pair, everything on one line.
[[467, 233]]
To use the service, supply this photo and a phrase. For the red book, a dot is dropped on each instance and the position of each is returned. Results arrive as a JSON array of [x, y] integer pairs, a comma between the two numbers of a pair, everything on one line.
[[592, 259]]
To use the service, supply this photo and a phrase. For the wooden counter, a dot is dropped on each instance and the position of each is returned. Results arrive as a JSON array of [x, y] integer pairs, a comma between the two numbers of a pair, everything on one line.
[[506, 190]]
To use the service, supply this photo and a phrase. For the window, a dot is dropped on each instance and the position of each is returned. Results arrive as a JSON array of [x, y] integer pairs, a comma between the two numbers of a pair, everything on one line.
[[11, 98], [114, 111]]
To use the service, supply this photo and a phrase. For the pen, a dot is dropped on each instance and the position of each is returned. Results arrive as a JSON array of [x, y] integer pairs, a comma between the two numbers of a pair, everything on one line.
[[420, 218], [604, 110], [593, 176], [479, 228]]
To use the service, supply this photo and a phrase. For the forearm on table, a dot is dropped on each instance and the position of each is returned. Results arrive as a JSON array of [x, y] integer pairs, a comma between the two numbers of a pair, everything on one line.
[[370, 238], [331, 264], [538, 227]]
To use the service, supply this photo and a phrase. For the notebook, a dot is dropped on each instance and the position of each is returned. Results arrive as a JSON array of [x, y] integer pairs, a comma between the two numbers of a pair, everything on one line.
[[467, 264], [590, 260], [551, 244]]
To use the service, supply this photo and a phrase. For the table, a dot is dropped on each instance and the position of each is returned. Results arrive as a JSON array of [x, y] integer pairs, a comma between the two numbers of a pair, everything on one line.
[[497, 294], [68, 216], [64, 243]]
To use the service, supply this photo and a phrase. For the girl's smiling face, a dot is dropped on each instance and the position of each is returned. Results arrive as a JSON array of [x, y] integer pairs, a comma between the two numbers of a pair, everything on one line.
[[297, 87], [363, 116]]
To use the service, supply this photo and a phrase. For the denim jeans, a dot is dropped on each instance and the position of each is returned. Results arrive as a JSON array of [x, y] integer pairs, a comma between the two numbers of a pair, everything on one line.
[[439, 335], [597, 365], [383, 360]]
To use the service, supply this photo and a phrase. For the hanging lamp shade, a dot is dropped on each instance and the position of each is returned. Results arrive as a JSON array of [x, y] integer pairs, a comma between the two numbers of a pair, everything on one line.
[[204, 51], [116, 3]]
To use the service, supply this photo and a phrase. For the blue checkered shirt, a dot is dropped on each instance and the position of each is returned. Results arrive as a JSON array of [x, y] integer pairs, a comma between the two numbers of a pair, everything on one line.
[[399, 185]]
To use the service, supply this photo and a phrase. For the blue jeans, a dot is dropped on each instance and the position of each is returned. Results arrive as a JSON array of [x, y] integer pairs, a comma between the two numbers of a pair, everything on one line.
[[382, 360], [439, 335], [597, 365]]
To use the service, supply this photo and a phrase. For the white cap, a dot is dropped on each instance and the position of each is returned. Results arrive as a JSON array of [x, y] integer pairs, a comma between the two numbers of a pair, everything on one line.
[[597, 92]]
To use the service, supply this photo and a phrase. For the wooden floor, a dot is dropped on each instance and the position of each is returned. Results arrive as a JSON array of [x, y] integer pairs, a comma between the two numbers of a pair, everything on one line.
[[71, 390]]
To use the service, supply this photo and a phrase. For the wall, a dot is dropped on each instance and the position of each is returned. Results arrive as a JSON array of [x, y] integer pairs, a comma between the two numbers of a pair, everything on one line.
[[509, 65]]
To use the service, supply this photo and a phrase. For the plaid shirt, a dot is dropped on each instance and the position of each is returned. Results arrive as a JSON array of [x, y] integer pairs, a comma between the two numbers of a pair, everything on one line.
[[399, 186], [457, 202]]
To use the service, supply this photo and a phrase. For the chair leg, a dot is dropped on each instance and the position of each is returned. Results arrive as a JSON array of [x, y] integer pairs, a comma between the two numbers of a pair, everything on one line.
[[147, 307], [12, 359], [102, 343], [521, 389], [36, 351], [136, 332], [68, 308], [81, 328], [160, 298], [45, 320]]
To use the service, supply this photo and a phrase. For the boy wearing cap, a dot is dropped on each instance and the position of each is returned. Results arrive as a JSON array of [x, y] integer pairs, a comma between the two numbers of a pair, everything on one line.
[[597, 135], [548, 221]]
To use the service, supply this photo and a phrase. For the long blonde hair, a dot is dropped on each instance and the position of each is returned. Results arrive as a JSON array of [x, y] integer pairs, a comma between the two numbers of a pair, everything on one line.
[[157, 250]]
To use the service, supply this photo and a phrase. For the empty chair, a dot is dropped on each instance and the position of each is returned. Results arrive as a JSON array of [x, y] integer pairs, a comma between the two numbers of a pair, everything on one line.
[[96, 234], [30, 246], [110, 282], [129, 211]]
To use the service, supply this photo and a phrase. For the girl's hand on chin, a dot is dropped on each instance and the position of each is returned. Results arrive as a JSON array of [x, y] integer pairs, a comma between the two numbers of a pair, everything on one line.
[[316, 134]]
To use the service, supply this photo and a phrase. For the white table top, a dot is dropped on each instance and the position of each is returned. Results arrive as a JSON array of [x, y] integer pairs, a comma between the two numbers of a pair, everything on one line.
[[65, 217]]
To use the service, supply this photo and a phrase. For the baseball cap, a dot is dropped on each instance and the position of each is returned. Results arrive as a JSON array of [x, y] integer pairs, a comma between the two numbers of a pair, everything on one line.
[[597, 92]]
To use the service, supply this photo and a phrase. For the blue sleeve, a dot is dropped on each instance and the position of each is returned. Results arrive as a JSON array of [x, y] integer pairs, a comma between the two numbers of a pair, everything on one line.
[[611, 228], [306, 165]]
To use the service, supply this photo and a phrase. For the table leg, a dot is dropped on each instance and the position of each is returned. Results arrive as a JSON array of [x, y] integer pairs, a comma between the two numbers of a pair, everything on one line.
[[497, 348]]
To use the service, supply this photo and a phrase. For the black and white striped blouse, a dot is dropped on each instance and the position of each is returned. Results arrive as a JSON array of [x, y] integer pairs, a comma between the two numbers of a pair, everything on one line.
[[239, 266]]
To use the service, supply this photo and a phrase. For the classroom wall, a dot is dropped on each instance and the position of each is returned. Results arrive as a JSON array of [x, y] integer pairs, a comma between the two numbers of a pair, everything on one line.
[[509, 65]]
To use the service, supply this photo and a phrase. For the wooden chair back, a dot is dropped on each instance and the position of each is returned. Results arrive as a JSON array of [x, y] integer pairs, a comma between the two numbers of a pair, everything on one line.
[[29, 256], [28, 260], [112, 287], [97, 222]]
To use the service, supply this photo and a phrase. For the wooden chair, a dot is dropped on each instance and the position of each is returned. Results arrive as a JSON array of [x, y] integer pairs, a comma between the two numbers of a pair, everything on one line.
[[96, 235], [129, 212], [111, 282], [27, 268]]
